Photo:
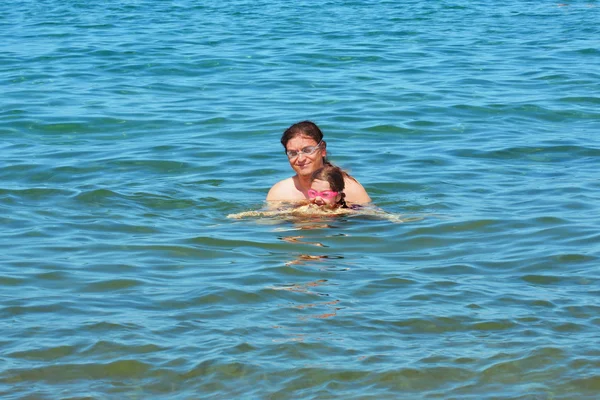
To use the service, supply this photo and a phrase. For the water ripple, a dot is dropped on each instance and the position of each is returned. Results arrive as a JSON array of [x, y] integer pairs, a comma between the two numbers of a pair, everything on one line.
[[130, 132]]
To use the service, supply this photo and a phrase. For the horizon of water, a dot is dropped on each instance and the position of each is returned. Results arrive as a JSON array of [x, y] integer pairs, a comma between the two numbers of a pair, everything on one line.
[[130, 131]]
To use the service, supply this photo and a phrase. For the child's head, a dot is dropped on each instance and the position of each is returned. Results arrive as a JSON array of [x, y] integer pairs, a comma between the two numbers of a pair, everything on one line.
[[327, 187]]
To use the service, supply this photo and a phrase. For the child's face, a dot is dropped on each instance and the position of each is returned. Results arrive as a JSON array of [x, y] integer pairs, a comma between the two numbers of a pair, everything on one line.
[[320, 193]]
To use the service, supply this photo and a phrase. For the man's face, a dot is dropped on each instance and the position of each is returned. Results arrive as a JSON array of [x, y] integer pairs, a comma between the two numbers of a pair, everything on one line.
[[302, 162]]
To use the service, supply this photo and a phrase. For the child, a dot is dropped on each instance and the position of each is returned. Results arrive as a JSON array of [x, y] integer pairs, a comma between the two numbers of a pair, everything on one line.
[[327, 188]]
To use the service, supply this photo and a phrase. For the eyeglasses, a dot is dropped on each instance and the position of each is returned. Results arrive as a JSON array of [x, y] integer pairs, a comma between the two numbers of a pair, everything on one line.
[[325, 194], [308, 150]]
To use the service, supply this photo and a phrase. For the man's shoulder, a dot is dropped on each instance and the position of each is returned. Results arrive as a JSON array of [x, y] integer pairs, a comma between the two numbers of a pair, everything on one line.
[[355, 192], [281, 190], [285, 184]]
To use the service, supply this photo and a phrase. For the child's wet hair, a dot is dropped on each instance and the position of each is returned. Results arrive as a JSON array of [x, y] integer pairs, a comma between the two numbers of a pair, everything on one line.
[[331, 174]]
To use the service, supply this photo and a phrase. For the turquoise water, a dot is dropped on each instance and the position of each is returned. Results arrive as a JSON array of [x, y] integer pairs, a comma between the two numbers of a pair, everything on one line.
[[130, 130]]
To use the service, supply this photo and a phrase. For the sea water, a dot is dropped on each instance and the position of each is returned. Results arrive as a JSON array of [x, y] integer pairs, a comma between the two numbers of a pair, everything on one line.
[[130, 130]]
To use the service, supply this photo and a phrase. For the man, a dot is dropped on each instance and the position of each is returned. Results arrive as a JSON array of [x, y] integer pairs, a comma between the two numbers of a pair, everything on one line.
[[307, 152]]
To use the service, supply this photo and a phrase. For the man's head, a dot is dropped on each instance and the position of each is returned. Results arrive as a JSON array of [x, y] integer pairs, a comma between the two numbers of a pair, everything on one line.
[[304, 147]]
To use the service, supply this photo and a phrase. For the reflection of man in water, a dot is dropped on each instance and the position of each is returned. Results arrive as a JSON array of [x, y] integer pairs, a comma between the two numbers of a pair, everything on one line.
[[307, 151]]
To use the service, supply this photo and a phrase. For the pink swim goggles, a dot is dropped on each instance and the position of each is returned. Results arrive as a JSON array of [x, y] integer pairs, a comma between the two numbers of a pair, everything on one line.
[[325, 194]]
